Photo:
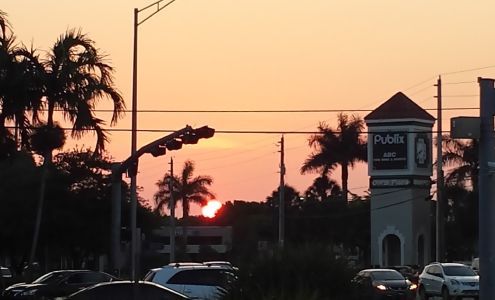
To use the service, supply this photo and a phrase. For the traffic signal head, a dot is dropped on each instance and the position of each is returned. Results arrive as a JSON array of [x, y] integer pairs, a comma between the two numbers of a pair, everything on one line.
[[205, 132], [174, 145], [158, 150], [193, 136]]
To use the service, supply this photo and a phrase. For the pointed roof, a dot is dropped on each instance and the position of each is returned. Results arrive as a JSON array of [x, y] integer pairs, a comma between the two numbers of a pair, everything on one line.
[[399, 107]]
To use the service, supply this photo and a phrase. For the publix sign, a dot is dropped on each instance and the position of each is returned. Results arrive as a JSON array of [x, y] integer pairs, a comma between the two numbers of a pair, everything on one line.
[[389, 151]]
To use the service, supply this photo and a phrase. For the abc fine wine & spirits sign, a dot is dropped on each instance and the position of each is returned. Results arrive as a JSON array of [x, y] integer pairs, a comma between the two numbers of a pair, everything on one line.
[[389, 151]]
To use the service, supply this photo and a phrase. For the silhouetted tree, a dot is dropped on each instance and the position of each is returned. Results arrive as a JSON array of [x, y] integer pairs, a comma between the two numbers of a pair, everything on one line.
[[463, 156], [76, 78], [321, 189], [185, 188], [343, 146]]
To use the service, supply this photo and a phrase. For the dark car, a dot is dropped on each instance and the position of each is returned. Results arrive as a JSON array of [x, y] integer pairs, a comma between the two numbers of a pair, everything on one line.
[[6, 278], [408, 272], [56, 284], [382, 284], [123, 290]]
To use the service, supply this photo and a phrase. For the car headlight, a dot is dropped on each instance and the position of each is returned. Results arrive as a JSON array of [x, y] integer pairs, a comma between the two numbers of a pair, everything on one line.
[[454, 282], [413, 286], [29, 292], [381, 287]]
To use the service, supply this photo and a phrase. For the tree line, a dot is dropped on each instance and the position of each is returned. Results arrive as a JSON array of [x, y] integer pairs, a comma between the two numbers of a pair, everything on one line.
[[39, 91]]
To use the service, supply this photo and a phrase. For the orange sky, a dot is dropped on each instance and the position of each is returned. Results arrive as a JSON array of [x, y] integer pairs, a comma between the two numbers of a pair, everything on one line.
[[270, 55]]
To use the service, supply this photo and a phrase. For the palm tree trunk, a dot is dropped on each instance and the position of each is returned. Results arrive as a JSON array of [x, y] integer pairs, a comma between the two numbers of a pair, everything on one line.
[[39, 210], [185, 217], [345, 178]]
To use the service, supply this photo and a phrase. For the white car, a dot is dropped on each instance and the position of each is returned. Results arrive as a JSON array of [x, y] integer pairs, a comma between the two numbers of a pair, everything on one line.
[[448, 280], [195, 280]]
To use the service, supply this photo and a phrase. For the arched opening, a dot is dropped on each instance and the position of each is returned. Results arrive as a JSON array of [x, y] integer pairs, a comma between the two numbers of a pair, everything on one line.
[[391, 250], [421, 250]]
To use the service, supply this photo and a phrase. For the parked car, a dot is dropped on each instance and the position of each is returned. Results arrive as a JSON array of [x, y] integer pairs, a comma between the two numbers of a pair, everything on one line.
[[197, 281], [6, 278], [475, 265], [448, 280], [56, 284], [408, 272], [382, 284], [123, 290]]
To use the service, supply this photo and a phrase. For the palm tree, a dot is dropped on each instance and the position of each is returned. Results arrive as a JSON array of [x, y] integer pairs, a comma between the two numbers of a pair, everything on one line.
[[463, 156], [23, 93], [343, 146], [186, 189], [7, 46], [76, 78], [322, 188]]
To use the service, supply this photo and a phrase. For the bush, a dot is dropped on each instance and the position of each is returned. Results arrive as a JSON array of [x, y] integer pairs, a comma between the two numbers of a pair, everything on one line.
[[308, 272]]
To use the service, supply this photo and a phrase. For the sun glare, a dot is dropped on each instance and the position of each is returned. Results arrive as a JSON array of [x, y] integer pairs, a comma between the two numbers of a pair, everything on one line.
[[211, 208]]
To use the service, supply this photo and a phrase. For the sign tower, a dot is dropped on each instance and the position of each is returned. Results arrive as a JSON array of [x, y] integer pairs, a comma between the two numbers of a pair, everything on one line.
[[400, 170]]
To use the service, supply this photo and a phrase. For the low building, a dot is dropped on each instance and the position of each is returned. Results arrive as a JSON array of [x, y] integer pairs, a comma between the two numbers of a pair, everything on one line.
[[216, 238]]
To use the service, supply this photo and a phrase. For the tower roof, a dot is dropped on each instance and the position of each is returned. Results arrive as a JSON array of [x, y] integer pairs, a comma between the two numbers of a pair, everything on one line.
[[399, 107]]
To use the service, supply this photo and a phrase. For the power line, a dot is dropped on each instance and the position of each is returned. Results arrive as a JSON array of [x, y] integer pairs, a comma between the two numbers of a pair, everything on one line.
[[239, 131], [276, 110], [468, 70]]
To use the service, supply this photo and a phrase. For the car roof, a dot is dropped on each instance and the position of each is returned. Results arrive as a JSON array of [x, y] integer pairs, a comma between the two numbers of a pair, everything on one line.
[[453, 264], [166, 272], [378, 270]]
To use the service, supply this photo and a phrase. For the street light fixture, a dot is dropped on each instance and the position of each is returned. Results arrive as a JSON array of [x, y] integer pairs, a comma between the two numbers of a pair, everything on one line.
[[133, 187]]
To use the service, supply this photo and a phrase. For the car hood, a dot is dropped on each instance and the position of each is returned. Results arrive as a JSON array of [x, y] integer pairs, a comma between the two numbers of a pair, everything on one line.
[[465, 278], [392, 283]]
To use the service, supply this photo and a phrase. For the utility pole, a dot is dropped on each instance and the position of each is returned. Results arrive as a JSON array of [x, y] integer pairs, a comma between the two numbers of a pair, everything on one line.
[[486, 189], [116, 218], [440, 211], [172, 211], [281, 205]]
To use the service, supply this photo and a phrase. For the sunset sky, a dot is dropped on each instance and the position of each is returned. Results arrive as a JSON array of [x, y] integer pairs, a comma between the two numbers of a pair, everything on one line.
[[345, 56]]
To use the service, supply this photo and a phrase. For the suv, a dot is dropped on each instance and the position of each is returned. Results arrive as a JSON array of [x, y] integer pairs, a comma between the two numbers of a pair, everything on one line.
[[195, 280], [448, 280]]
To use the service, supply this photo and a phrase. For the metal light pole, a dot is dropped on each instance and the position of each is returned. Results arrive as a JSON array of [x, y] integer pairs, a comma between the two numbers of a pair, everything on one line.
[[440, 211], [486, 189], [172, 212], [133, 187]]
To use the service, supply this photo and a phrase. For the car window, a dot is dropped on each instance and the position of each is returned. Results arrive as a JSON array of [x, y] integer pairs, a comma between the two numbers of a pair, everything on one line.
[[50, 277], [434, 270], [458, 271], [87, 277], [210, 277], [387, 275], [149, 276], [6, 272]]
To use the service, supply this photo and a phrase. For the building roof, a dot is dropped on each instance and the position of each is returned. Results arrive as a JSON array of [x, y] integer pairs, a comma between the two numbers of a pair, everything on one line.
[[399, 107]]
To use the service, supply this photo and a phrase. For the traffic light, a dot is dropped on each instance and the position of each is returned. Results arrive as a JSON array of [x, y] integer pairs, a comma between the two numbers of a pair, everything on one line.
[[174, 145], [158, 150], [193, 136]]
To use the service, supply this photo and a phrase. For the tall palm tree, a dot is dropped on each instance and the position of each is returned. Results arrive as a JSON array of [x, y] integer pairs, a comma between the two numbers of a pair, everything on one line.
[[186, 189], [76, 79], [23, 93], [463, 156], [343, 146], [7, 46]]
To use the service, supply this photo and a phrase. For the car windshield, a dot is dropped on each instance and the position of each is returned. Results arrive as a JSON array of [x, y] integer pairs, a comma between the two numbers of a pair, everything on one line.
[[387, 275], [458, 271], [50, 277]]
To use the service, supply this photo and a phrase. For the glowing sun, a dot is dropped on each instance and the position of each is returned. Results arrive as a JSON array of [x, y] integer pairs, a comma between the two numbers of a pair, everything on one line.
[[211, 208]]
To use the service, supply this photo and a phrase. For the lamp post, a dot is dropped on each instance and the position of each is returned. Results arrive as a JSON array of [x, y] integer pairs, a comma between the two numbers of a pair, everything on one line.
[[133, 187]]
